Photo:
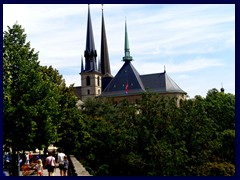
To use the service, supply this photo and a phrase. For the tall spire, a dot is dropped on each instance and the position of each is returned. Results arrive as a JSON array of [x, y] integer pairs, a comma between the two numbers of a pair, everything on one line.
[[90, 53], [127, 56], [82, 67], [105, 65]]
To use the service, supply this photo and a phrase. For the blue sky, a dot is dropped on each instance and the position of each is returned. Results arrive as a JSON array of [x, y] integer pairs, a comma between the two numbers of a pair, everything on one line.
[[195, 42]]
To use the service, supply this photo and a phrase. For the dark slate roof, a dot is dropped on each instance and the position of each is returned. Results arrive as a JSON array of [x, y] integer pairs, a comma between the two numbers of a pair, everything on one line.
[[160, 83], [137, 84], [105, 81], [77, 91], [127, 74]]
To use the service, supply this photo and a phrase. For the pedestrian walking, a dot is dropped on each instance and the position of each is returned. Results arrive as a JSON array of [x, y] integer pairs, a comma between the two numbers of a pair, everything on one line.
[[30, 156], [27, 158], [60, 161], [50, 164], [39, 167], [65, 166]]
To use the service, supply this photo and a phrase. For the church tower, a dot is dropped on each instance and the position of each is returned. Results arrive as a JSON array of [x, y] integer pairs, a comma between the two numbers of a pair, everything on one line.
[[91, 78]]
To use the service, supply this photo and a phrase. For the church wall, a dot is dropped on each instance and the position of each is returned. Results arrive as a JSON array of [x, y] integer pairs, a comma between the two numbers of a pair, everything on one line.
[[133, 99]]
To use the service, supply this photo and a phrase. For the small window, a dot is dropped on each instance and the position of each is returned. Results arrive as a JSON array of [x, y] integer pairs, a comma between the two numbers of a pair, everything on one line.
[[88, 81], [88, 91], [99, 91], [98, 81]]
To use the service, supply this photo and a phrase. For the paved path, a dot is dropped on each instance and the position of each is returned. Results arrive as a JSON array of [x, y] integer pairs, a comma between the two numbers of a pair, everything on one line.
[[45, 172]]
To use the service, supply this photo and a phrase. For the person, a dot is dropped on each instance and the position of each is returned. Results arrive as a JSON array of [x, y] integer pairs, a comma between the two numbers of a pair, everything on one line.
[[39, 167], [65, 166], [25, 169], [30, 156], [38, 157], [50, 164], [60, 161], [27, 158]]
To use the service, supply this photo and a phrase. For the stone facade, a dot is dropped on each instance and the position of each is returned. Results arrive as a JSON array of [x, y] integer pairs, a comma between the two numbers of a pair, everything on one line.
[[134, 99], [91, 85]]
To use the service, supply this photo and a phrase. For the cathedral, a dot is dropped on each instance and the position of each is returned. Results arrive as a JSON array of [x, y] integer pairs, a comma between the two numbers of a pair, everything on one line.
[[97, 80]]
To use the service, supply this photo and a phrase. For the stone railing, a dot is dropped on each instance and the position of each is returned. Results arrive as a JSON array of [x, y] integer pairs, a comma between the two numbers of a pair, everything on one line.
[[76, 168]]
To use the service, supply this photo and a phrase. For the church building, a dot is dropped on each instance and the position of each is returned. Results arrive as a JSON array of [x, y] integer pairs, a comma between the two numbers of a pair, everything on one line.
[[97, 80]]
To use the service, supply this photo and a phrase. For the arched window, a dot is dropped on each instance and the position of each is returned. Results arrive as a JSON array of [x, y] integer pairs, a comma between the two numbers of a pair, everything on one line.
[[88, 91], [88, 81], [98, 81], [99, 91]]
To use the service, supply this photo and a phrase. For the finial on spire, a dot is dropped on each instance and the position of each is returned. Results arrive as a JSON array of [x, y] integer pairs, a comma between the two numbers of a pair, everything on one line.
[[102, 7], [127, 56]]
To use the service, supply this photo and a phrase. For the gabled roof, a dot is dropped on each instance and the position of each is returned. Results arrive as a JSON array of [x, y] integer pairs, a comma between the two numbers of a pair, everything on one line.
[[137, 84], [127, 75], [160, 83]]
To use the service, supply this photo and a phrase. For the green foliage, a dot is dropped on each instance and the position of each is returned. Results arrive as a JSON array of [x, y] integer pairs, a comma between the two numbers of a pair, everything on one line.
[[155, 137], [39, 109], [216, 169], [20, 75]]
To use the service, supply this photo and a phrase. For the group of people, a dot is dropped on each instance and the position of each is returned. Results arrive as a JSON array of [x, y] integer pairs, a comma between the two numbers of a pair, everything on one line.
[[51, 163]]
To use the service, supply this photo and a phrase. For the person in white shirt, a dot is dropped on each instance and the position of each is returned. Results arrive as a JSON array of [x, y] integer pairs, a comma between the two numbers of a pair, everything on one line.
[[61, 161], [50, 164], [39, 167]]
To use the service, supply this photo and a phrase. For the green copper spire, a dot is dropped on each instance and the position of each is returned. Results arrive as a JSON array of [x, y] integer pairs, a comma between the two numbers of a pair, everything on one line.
[[127, 56]]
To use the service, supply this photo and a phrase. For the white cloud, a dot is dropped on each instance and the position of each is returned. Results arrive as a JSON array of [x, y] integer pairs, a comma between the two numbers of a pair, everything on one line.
[[173, 67]]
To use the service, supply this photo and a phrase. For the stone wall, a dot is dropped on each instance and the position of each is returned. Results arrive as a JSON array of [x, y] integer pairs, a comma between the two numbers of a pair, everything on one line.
[[76, 168]]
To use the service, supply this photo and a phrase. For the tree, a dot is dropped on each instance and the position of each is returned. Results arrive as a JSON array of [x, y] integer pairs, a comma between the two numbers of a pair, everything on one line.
[[31, 98], [155, 137]]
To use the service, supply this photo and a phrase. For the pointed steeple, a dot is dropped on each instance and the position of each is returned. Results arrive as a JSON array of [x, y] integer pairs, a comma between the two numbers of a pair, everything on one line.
[[127, 56], [82, 67], [90, 53], [105, 65]]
